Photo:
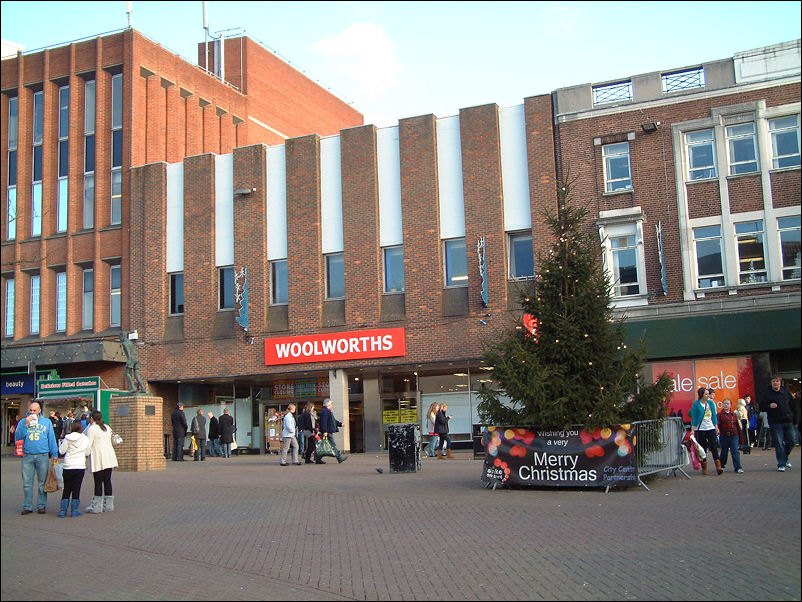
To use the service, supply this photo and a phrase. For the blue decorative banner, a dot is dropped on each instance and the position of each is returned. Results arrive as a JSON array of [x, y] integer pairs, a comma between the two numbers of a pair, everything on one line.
[[241, 298], [480, 251]]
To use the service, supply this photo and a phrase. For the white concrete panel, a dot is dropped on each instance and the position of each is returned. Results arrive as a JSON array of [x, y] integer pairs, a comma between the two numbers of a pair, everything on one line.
[[224, 210], [391, 227], [276, 203], [175, 218], [331, 196], [449, 178], [514, 168]]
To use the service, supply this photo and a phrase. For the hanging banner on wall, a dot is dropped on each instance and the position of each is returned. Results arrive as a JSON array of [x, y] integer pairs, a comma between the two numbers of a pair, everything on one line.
[[241, 298], [535, 457], [337, 346]]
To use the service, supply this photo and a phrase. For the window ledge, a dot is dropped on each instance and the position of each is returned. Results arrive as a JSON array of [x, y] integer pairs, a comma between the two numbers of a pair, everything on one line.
[[733, 290], [392, 293], [743, 175], [112, 227], [782, 169], [713, 179], [629, 190], [630, 300], [56, 235]]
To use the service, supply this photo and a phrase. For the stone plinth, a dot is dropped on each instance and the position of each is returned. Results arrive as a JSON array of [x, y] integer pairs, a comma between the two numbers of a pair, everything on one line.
[[138, 418], [403, 443]]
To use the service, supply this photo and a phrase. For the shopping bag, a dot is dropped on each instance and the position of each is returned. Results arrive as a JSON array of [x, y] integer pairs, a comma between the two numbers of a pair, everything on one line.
[[18, 449], [116, 438], [324, 448], [194, 444], [234, 445], [695, 459], [51, 482], [60, 474]]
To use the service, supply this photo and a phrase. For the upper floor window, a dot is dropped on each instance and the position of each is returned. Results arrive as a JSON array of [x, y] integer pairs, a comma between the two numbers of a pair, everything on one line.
[[456, 262], [700, 148], [278, 282], [8, 329], [116, 148], [790, 248], [742, 148], [34, 305], [11, 191], [115, 300], [335, 276], [393, 269], [612, 92], [617, 174], [88, 300], [751, 253], [521, 259], [683, 80], [177, 293], [61, 301], [784, 141], [624, 250], [709, 259], [226, 287]]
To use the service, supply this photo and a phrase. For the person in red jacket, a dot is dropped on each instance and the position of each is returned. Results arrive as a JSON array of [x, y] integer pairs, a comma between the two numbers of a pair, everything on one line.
[[730, 435]]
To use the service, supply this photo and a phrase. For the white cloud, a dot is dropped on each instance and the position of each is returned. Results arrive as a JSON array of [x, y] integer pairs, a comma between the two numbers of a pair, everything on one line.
[[360, 61]]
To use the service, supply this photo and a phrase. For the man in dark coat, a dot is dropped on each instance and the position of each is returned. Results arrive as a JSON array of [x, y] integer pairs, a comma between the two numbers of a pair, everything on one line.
[[214, 436], [778, 403], [327, 426], [180, 428], [226, 432], [198, 429]]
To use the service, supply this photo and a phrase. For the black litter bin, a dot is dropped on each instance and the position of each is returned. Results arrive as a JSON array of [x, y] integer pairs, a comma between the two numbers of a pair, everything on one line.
[[403, 443]]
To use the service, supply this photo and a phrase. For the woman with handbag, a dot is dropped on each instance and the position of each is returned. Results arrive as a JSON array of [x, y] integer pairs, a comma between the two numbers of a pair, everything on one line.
[[704, 426], [103, 460]]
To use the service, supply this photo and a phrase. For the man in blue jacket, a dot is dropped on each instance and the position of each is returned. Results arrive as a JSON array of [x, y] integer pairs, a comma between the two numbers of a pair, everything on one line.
[[39, 445]]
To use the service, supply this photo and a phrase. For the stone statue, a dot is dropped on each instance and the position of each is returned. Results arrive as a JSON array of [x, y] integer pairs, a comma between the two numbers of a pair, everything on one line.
[[132, 365]]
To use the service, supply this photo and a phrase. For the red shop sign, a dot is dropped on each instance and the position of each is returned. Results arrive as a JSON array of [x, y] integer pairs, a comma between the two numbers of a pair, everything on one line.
[[336, 346]]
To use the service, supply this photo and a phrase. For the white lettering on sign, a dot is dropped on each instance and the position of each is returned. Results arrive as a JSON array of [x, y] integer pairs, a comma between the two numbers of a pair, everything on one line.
[[347, 345]]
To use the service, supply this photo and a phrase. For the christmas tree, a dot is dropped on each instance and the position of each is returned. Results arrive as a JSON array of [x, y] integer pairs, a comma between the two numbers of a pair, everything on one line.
[[565, 362]]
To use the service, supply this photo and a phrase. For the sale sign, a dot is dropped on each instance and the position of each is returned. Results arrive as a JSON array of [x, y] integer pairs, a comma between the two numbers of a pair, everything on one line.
[[336, 346]]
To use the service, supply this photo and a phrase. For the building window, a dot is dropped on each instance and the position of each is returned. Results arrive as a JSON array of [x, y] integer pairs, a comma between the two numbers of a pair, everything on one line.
[[62, 204], [88, 305], [612, 93], [784, 141], [683, 80], [36, 209], [709, 261], [617, 174], [36, 189], [751, 257], [393, 269], [177, 293], [790, 246], [701, 154], [34, 305], [742, 148], [521, 256], [278, 282], [11, 191], [624, 250], [61, 301], [456, 262], [116, 148], [89, 155], [335, 276], [89, 201], [115, 298], [225, 284], [8, 329]]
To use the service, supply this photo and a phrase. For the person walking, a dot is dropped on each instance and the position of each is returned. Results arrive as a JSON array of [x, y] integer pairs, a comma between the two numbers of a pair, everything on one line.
[[214, 436], [306, 426], [327, 426], [704, 427], [179, 421], [198, 429], [730, 435], [778, 405], [102, 461], [74, 447], [288, 433], [226, 432], [431, 417], [441, 428], [743, 418], [39, 442]]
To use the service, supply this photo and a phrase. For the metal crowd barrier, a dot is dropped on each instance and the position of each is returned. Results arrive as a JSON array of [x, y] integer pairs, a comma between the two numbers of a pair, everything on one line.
[[659, 447]]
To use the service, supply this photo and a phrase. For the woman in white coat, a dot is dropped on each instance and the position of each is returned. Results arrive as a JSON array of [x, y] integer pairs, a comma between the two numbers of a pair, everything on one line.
[[75, 448], [102, 460]]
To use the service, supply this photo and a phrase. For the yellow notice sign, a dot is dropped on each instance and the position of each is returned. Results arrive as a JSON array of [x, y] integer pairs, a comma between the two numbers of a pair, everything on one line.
[[390, 416], [409, 415]]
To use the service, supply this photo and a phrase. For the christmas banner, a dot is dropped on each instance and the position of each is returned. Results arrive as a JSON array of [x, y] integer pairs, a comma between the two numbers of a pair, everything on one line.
[[542, 457]]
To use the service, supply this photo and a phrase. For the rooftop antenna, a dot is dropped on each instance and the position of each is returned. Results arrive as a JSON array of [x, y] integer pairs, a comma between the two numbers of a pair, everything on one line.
[[206, 36], [128, 12]]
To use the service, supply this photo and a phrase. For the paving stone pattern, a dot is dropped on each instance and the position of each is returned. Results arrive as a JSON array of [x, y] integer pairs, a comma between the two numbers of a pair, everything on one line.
[[245, 528]]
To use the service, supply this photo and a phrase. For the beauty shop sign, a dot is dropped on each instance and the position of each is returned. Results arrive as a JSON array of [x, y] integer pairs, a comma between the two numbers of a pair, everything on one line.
[[336, 346]]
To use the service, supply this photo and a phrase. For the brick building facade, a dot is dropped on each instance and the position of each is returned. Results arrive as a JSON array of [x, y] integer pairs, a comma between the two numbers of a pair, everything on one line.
[[370, 265], [75, 119]]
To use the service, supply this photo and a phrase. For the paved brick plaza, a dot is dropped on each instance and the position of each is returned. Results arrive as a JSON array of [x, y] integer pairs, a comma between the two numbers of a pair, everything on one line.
[[248, 529]]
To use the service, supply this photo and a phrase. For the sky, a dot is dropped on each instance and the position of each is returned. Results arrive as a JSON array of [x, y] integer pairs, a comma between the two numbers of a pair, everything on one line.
[[392, 60]]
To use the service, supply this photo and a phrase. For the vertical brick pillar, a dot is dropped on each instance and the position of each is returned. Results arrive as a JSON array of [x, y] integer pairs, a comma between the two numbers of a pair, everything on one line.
[[138, 419], [542, 175]]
